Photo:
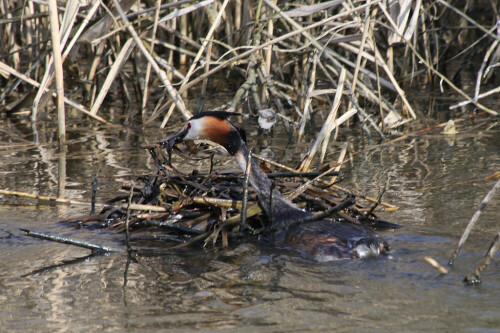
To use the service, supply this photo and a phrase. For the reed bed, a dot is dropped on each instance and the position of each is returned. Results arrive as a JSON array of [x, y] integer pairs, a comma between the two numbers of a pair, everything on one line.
[[282, 56]]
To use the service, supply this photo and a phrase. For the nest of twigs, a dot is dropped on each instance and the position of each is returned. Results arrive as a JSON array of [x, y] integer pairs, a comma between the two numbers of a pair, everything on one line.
[[203, 208]]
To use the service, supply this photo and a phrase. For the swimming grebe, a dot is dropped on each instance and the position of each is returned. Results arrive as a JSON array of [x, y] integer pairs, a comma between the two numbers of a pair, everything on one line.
[[322, 240]]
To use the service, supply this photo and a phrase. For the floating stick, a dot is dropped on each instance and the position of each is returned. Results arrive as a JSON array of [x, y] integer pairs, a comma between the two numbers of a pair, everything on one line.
[[436, 265]]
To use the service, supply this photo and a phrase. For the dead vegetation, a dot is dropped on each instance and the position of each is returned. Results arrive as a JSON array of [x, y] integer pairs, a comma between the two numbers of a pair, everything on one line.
[[295, 58]]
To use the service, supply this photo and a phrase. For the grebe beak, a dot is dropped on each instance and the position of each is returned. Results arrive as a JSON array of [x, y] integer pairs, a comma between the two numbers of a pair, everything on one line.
[[171, 140]]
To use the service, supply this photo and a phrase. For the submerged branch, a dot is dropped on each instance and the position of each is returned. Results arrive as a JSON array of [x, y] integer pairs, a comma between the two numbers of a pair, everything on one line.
[[70, 241]]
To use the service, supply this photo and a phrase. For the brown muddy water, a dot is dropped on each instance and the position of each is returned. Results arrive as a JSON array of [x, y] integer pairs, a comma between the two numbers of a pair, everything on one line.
[[435, 181]]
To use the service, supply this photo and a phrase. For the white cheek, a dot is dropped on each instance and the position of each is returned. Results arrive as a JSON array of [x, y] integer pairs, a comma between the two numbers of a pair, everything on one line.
[[191, 136], [195, 132]]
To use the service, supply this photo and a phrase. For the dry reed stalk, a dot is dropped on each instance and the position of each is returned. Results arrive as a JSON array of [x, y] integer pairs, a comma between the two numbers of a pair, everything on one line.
[[82, 26], [107, 35], [207, 68], [162, 7], [170, 58], [436, 265], [171, 69], [308, 10], [473, 221], [218, 202], [274, 163], [340, 162], [75, 202], [172, 47], [310, 87], [176, 34], [176, 97], [386, 83], [35, 84], [99, 51], [364, 30], [401, 25], [68, 21], [399, 12], [30, 29], [115, 68], [479, 76], [367, 92], [331, 119], [393, 80], [268, 52], [148, 67], [381, 111], [252, 81], [208, 37], [476, 98], [182, 22], [302, 188], [330, 123], [56, 51], [426, 46], [184, 11], [44, 198]]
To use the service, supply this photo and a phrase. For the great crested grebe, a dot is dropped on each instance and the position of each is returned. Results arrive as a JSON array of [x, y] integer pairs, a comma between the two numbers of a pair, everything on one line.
[[322, 240]]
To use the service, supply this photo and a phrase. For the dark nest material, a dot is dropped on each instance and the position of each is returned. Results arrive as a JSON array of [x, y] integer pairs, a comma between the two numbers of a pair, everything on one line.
[[181, 209]]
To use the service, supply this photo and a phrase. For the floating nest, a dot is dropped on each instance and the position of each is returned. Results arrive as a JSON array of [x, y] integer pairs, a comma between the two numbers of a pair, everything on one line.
[[180, 209]]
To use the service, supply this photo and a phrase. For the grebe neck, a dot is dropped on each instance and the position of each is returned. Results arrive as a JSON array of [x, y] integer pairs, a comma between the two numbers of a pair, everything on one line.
[[284, 211]]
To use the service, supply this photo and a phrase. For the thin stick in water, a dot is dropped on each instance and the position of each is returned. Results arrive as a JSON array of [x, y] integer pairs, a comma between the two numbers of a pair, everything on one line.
[[127, 221], [245, 190], [94, 193], [64, 240], [473, 221], [476, 276]]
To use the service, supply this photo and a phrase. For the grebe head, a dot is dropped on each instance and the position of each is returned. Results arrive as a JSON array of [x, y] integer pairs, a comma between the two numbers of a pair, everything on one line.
[[212, 126]]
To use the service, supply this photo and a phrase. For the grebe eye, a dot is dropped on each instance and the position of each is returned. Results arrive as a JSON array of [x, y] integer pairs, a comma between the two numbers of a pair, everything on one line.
[[188, 125]]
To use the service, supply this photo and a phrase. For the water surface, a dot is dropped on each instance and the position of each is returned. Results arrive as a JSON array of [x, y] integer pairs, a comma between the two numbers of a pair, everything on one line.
[[435, 180]]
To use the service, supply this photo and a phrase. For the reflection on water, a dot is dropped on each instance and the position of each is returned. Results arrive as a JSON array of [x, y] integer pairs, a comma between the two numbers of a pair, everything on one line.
[[435, 182]]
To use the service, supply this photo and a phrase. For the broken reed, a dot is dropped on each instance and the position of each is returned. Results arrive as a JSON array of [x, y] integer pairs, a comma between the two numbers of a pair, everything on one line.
[[286, 56]]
